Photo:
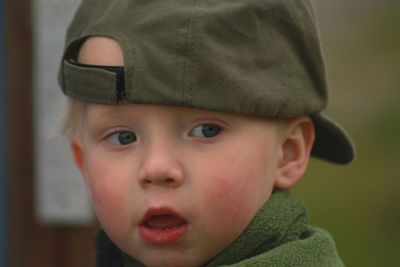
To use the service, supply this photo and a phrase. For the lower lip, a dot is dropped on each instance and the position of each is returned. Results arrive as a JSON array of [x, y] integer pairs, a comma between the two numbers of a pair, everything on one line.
[[162, 237]]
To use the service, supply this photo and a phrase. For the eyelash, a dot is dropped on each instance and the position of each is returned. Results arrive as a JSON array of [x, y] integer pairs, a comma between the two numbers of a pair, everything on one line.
[[207, 131], [128, 135]]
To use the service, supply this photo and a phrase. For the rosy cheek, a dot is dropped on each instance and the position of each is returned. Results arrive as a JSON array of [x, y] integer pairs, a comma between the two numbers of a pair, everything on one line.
[[229, 198], [109, 194]]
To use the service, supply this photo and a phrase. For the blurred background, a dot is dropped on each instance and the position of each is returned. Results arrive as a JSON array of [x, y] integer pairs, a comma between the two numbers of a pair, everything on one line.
[[358, 203]]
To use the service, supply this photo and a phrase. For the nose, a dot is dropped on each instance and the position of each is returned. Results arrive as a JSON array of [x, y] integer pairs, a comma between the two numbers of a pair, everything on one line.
[[161, 166]]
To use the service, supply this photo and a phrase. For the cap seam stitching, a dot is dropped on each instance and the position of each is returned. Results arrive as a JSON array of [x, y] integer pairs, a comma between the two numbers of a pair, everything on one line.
[[194, 33], [189, 53]]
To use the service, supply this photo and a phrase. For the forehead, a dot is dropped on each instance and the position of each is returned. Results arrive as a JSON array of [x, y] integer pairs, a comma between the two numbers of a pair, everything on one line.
[[101, 51], [126, 110], [150, 113]]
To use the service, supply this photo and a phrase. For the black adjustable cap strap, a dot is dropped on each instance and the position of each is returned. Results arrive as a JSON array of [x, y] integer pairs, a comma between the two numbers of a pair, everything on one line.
[[94, 83]]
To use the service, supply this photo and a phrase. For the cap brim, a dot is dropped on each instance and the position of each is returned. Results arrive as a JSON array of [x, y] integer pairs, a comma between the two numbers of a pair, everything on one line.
[[331, 141]]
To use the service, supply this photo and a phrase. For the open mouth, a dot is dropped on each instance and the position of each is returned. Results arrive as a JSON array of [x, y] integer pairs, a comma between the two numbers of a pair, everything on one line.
[[162, 226]]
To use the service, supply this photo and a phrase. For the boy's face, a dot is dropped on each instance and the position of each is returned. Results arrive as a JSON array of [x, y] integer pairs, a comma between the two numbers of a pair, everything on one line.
[[175, 186]]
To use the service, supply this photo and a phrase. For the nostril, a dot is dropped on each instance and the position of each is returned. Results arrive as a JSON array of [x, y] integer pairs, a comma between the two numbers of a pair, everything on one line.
[[169, 181], [161, 174], [147, 181]]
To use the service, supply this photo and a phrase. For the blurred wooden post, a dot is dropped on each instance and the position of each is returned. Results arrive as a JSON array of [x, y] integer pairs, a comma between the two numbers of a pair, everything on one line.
[[2, 142], [30, 244]]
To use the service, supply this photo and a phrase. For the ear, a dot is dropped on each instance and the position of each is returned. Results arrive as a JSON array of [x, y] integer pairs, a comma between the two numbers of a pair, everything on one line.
[[77, 153], [295, 151]]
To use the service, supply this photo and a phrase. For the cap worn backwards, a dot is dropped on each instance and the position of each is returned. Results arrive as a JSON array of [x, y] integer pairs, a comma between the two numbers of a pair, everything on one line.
[[253, 57]]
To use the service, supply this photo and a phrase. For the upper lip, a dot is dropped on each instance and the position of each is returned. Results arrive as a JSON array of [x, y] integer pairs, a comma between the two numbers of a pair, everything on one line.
[[160, 211]]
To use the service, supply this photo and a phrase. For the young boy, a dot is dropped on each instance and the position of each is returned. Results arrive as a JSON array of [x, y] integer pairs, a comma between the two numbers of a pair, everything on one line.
[[190, 119]]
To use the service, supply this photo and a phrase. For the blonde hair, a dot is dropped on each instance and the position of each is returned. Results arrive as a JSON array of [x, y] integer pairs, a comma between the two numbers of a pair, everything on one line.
[[71, 124]]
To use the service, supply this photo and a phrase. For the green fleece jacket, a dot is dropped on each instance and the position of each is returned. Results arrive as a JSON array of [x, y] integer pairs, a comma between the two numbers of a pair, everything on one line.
[[278, 236]]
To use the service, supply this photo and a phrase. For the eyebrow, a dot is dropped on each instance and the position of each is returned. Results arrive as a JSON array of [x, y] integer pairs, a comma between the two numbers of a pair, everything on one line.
[[107, 112]]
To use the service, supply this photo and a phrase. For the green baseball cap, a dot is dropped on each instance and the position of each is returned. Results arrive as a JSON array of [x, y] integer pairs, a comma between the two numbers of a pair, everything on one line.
[[250, 57]]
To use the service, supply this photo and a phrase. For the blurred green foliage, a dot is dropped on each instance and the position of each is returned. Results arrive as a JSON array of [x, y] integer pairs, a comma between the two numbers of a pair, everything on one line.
[[360, 203]]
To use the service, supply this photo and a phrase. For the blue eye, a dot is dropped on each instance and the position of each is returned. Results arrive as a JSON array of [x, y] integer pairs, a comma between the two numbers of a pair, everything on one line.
[[206, 130], [121, 138]]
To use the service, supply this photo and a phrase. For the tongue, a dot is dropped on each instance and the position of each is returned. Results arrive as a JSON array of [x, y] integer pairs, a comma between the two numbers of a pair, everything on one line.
[[164, 221]]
